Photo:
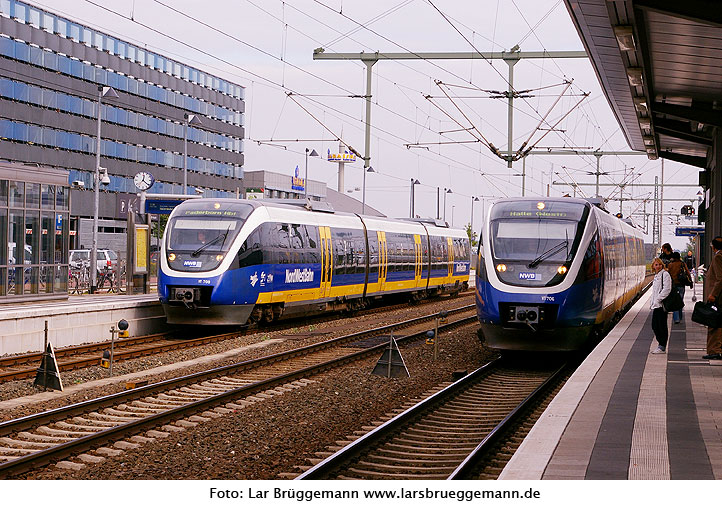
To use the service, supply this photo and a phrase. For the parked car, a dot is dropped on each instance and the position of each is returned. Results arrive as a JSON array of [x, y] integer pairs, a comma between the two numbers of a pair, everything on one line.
[[107, 259]]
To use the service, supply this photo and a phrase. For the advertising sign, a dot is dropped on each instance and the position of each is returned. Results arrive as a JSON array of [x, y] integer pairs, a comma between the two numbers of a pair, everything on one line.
[[297, 183], [345, 157], [141, 250]]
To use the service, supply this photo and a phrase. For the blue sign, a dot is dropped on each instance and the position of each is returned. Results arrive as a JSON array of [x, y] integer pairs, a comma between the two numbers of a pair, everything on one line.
[[689, 231], [297, 183], [58, 222], [161, 206]]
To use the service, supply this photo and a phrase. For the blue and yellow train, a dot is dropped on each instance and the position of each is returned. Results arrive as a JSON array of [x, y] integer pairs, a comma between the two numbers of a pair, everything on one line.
[[230, 261], [552, 271]]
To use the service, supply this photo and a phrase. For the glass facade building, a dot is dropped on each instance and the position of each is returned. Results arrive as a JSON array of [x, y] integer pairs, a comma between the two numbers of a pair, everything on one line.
[[51, 70], [34, 228]]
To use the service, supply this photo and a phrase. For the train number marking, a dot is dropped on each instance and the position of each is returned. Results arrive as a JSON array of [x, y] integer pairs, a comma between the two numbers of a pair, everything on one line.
[[204, 281], [547, 298]]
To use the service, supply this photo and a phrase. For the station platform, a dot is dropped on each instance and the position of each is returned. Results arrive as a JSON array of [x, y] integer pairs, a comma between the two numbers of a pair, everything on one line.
[[77, 320], [627, 414]]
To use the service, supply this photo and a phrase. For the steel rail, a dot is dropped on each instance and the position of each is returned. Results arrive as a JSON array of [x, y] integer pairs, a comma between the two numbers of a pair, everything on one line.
[[466, 467], [335, 461], [66, 449]]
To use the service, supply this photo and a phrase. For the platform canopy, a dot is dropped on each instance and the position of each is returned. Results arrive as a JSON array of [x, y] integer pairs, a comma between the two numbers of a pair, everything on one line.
[[660, 65]]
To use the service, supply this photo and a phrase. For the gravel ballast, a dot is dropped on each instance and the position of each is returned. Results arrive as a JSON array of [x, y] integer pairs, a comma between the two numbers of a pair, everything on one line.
[[275, 436]]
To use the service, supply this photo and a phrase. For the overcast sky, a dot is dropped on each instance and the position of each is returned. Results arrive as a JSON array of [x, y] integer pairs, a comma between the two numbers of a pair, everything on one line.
[[267, 46]]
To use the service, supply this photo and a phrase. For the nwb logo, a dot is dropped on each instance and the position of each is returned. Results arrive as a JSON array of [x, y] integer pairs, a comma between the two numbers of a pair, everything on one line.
[[527, 276]]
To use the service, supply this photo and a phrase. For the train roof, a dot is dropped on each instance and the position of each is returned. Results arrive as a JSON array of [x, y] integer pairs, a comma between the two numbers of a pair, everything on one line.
[[438, 227]]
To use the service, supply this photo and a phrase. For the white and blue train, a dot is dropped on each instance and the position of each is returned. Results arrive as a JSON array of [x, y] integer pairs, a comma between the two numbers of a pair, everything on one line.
[[550, 271], [230, 261]]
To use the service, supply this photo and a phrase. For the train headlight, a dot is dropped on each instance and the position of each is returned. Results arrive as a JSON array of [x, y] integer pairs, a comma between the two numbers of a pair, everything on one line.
[[171, 256], [540, 206], [219, 257], [562, 270], [217, 205], [501, 268]]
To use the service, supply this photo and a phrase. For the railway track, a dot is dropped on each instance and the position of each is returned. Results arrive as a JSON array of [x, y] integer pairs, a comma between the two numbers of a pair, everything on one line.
[[446, 436], [109, 424], [18, 367]]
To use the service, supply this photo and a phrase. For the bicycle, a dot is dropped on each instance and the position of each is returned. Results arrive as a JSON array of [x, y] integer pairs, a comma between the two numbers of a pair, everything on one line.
[[78, 278]]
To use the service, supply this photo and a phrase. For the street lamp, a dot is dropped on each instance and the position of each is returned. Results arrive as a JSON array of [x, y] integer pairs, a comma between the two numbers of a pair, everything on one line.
[[305, 182], [103, 92], [189, 119], [473, 200], [363, 194], [446, 191], [414, 182]]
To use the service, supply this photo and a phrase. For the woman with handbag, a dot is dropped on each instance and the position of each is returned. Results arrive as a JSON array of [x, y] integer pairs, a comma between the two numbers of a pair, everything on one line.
[[680, 279], [713, 286], [661, 287]]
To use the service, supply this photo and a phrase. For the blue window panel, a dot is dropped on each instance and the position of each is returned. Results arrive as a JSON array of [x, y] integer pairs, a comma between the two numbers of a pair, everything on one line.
[[101, 75], [122, 82], [132, 119], [36, 95], [122, 116], [97, 40], [75, 142], [6, 129], [62, 139], [6, 88], [89, 144], [142, 122], [74, 31], [86, 36], [20, 11], [76, 68], [22, 51], [132, 152], [152, 124], [22, 92], [34, 134], [47, 22], [110, 113], [122, 151], [142, 154], [61, 26], [34, 17], [50, 60], [7, 47], [90, 108], [74, 105], [5, 6], [64, 64], [48, 137], [133, 86], [88, 72], [20, 131], [112, 79]]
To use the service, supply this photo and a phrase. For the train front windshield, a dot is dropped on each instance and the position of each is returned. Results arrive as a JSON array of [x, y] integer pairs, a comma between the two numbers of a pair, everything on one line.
[[534, 242], [200, 234]]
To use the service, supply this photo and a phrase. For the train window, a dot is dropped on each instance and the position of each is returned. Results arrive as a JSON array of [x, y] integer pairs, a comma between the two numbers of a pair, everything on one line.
[[312, 252], [296, 238], [373, 256], [250, 252], [282, 238], [339, 253]]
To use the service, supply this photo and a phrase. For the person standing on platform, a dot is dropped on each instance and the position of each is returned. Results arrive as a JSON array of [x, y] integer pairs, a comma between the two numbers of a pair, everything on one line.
[[713, 280], [661, 287], [690, 262], [680, 278], [666, 255]]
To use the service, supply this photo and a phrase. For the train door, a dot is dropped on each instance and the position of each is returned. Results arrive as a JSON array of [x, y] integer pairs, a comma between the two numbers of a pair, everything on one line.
[[450, 244], [418, 260], [383, 259], [326, 261]]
